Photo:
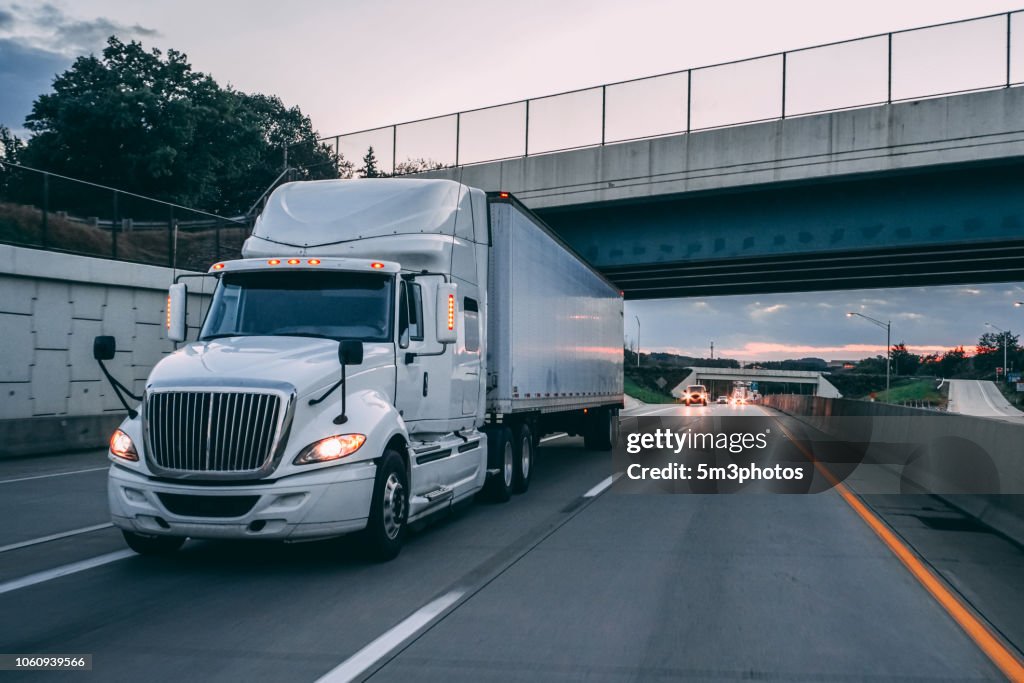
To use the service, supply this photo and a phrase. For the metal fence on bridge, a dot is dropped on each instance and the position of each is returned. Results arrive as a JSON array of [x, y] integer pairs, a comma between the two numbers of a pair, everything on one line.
[[943, 59], [54, 212]]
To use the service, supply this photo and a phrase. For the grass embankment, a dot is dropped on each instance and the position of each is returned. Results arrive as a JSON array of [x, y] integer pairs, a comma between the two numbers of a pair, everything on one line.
[[197, 249], [912, 390], [644, 394]]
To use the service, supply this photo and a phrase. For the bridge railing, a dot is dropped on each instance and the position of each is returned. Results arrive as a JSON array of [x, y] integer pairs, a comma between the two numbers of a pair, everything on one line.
[[50, 211], [943, 59]]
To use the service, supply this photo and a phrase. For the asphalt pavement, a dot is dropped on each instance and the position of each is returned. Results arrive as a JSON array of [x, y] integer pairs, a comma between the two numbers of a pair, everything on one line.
[[980, 398], [569, 581]]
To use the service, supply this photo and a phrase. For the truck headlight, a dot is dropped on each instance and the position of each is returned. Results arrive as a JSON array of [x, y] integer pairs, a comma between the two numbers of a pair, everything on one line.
[[331, 448], [121, 445]]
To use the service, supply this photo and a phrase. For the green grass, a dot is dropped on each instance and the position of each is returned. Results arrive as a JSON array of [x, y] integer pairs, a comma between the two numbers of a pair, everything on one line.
[[644, 394], [912, 390]]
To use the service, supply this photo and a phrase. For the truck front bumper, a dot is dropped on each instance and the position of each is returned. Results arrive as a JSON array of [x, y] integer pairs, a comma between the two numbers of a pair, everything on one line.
[[323, 503]]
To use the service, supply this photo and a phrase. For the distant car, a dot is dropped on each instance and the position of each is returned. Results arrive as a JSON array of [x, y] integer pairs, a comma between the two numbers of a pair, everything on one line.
[[722, 399], [695, 393]]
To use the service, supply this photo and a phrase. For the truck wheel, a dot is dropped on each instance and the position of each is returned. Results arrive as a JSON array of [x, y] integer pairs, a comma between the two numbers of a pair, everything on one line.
[[152, 545], [602, 430], [500, 456], [522, 459], [385, 530]]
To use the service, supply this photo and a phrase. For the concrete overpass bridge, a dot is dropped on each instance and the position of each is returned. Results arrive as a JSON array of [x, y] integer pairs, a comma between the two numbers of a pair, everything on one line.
[[717, 380], [834, 185]]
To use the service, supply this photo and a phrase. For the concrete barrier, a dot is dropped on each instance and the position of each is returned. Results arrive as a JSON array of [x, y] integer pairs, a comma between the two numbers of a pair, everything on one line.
[[975, 464], [53, 396]]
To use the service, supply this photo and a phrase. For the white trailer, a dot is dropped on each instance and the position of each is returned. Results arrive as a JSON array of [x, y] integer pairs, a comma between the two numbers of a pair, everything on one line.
[[385, 349]]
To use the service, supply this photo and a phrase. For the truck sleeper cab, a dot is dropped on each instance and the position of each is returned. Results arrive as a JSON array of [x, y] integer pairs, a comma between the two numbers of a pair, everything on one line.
[[377, 356]]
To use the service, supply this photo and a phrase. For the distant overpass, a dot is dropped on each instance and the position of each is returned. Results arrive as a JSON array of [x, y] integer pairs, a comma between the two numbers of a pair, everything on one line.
[[706, 376]]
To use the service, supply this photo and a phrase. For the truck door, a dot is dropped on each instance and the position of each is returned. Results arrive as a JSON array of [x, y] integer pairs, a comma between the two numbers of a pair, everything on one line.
[[423, 387]]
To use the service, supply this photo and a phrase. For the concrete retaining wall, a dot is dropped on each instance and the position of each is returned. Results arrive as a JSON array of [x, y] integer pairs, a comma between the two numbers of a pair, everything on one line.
[[53, 396], [944, 455]]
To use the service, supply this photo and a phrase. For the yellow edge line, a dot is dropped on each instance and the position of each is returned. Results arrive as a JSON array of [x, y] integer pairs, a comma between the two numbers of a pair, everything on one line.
[[982, 636]]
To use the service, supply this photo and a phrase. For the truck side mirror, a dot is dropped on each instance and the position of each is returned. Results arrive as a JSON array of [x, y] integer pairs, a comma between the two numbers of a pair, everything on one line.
[[446, 312], [350, 352], [104, 348], [177, 303]]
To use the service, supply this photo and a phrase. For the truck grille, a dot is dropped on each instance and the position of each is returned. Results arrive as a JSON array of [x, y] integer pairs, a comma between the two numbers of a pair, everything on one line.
[[211, 431]]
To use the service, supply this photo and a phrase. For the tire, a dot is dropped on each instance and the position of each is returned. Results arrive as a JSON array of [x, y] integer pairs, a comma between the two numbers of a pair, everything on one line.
[[152, 545], [523, 458], [389, 509], [500, 456], [602, 430]]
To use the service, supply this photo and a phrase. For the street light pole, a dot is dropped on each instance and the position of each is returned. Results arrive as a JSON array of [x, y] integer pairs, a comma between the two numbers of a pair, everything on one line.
[[888, 339], [637, 340], [1006, 335]]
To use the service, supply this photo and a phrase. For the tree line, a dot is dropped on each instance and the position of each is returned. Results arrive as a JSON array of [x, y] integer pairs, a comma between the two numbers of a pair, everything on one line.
[[146, 122]]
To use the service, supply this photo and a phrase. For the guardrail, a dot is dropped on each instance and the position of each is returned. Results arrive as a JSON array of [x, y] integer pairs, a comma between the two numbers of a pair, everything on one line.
[[50, 211], [973, 463], [980, 53]]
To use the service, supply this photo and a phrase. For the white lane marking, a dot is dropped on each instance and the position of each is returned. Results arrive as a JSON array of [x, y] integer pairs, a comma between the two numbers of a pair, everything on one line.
[[597, 490], [55, 474], [553, 437], [54, 537], [369, 656], [73, 568]]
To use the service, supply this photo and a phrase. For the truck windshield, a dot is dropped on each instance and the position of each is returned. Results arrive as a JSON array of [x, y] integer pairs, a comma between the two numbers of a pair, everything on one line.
[[334, 305]]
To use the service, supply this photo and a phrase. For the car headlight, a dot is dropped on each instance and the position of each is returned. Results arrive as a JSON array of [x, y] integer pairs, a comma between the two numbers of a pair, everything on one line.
[[331, 448], [121, 446]]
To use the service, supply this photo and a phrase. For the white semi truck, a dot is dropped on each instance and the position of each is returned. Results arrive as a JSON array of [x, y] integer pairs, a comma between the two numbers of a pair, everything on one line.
[[385, 349]]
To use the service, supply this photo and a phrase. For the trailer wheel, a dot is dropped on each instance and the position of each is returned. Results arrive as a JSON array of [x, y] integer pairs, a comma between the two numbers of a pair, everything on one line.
[[385, 530], [152, 545], [523, 459], [602, 429], [500, 456]]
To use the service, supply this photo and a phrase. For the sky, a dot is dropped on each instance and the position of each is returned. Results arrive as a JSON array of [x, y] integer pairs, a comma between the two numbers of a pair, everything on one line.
[[355, 65]]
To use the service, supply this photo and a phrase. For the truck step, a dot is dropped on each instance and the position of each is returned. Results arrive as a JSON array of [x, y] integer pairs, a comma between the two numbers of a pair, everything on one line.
[[439, 494]]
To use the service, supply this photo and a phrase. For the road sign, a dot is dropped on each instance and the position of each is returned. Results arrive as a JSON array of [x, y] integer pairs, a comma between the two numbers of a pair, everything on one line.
[[753, 386], [999, 371]]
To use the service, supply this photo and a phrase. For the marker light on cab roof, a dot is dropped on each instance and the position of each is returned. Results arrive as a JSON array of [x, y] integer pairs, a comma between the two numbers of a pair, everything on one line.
[[218, 266], [313, 262], [274, 262], [293, 262], [376, 265]]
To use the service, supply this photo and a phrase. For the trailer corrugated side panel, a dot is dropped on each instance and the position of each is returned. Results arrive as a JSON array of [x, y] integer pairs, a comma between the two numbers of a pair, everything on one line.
[[555, 325]]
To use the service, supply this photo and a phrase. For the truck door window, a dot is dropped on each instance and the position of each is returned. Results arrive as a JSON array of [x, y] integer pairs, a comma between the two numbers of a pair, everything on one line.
[[471, 318], [410, 314]]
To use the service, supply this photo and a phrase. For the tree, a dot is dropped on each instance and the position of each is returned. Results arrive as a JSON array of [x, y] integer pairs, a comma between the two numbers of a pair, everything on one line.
[[417, 166], [952, 363], [369, 169], [989, 351], [904, 362], [147, 123], [11, 148]]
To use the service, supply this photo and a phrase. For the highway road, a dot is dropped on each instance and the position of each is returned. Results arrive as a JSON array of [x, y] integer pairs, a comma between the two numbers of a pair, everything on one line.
[[570, 581], [980, 398]]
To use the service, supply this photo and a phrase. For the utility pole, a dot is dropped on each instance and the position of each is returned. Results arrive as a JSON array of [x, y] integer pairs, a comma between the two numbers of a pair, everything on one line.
[[712, 349], [1006, 338], [888, 340]]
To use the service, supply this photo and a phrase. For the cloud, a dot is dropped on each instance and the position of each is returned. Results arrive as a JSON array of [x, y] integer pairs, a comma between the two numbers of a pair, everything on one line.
[[772, 350], [47, 27], [767, 310], [38, 42], [25, 73]]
